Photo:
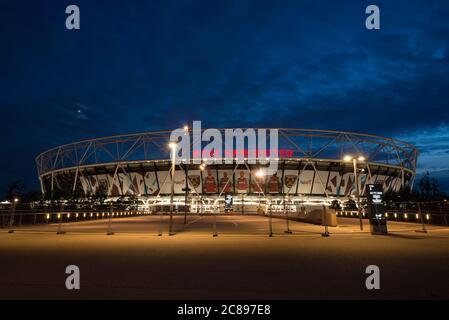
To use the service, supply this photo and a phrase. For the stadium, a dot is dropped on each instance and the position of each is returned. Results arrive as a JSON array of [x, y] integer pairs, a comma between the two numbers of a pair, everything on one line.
[[313, 167]]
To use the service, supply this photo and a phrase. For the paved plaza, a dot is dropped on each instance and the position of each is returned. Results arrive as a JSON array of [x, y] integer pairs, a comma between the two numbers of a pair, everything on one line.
[[241, 263]]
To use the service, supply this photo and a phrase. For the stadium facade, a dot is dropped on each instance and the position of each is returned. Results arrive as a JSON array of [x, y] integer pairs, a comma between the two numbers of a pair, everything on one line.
[[311, 168]]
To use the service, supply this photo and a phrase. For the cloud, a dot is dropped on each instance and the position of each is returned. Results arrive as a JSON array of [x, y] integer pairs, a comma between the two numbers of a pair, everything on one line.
[[231, 64], [433, 147]]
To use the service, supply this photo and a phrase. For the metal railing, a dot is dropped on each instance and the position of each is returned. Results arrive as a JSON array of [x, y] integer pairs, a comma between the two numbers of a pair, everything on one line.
[[64, 219], [31, 217], [429, 217]]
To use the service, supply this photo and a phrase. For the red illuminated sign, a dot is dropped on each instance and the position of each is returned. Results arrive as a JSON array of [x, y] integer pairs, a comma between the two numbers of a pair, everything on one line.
[[287, 153]]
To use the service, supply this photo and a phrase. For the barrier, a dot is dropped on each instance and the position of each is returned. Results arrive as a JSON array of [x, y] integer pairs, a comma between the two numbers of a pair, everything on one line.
[[409, 216], [62, 220]]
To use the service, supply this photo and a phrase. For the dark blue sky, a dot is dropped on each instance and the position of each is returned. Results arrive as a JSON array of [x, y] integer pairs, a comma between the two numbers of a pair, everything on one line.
[[145, 65]]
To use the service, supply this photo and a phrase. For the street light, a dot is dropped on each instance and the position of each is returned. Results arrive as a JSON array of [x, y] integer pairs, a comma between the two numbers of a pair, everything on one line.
[[202, 168], [172, 146], [186, 172], [11, 218], [348, 158]]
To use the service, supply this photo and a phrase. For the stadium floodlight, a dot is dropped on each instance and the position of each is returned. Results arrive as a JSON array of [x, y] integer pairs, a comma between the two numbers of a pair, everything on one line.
[[186, 128], [172, 145], [13, 211], [348, 158], [259, 173]]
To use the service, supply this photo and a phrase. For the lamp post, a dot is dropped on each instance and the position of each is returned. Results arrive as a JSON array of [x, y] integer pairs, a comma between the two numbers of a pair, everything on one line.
[[160, 215], [270, 221], [60, 231], [11, 218], [172, 146], [186, 190], [202, 168], [111, 210], [355, 160], [186, 170], [259, 174]]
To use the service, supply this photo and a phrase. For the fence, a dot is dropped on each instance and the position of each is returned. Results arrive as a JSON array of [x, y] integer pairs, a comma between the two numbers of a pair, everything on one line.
[[414, 216], [12, 217], [32, 217]]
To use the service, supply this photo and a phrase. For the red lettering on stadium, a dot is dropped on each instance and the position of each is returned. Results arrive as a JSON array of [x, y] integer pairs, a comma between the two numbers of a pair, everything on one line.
[[283, 153]]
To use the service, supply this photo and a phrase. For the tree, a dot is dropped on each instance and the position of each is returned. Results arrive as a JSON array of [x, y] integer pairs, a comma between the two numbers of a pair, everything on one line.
[[19, 189], [102, 192], [15, 190], [32, 196], [350, 205], [435, 188], [335, 204], [429, 188], [425, 186], [404, 194]]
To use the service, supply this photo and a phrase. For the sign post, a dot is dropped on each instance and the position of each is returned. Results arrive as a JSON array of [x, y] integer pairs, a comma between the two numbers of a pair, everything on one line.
[[376, 209]]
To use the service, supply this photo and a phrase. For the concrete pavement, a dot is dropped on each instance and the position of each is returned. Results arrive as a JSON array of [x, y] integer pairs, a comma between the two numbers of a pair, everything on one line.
[[241, 263]]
